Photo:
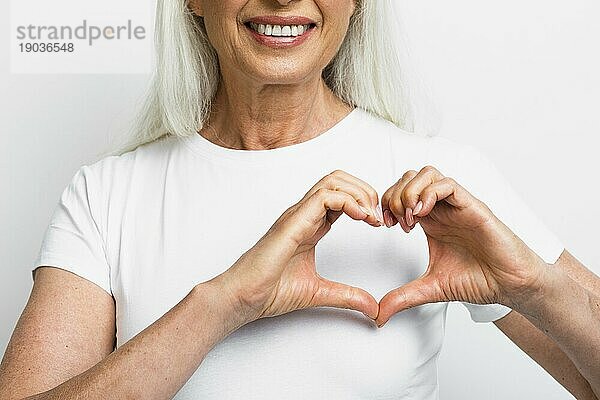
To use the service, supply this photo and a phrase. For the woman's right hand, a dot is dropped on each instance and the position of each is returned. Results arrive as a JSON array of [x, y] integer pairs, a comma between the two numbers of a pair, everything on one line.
[[278, 275]]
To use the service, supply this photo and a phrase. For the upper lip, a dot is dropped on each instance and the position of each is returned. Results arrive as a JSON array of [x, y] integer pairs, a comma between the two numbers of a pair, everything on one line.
[[277, 20]]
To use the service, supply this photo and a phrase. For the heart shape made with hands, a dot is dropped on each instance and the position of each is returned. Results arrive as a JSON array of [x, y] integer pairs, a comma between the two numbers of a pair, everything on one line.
[[473, 257]]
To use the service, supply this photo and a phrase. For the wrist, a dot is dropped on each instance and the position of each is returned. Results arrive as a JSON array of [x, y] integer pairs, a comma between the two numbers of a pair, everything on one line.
[[545, 291], [525, 279], [216, 298]]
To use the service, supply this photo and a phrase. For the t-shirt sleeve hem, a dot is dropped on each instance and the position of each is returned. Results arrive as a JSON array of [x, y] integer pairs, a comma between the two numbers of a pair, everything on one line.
[[552, 256], [83, 269], [482, 313]]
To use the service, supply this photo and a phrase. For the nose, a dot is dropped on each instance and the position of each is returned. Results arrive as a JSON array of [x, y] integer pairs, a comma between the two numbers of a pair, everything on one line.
[[285, 2]]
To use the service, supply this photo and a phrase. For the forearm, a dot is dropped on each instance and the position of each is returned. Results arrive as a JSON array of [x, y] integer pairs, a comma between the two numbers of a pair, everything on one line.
[[570, 315], [158, 361]]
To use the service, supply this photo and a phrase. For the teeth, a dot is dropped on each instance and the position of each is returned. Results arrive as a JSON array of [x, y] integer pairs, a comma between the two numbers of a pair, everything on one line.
[[279, 30]]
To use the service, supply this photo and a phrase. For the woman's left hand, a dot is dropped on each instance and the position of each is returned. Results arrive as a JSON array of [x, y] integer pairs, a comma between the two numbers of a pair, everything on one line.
[[473, 256]]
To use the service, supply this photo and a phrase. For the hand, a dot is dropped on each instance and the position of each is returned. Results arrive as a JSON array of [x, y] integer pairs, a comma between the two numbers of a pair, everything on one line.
[[473, 256], [277, 275]]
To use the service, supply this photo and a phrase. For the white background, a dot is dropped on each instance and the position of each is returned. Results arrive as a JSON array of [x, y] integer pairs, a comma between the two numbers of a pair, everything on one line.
[[519, 80]]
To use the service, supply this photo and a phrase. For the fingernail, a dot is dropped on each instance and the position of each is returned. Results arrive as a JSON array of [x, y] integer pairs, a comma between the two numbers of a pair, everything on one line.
[[404, 225], [418, 207], [409, 216], [387, 218], [379, 214], [364, 210]]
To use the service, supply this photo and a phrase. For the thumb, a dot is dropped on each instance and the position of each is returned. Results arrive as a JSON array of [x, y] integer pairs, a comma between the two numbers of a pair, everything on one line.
[[418, 292], [339, 295]]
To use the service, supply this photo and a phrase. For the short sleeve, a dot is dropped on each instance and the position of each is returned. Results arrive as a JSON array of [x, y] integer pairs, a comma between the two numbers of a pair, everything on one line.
[[72, 240], [476, 173]]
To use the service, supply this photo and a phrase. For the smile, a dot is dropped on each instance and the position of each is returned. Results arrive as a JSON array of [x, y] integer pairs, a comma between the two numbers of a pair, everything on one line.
[[279, 30]]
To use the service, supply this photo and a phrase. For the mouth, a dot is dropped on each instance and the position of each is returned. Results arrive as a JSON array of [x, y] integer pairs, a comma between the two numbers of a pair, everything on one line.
[[289, 27]]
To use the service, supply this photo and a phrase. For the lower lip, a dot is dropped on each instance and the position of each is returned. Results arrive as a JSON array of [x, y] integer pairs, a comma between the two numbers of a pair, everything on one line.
[[278, 42]]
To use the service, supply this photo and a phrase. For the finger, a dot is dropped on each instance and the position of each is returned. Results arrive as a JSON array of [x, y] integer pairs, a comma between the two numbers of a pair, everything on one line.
[[300, 224], [366, 197], [330, 180], [372, 193], [364, 194], [392, 203], [335, 294], [389, 218], [418, 292], [396, 206], [410, 194], [335, 200], [446, 189]]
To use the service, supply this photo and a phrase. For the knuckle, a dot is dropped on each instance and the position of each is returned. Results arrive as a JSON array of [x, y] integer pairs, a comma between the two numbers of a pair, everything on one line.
[[408, 194], [449, 181], [428, 169], [395, 206], [332, 180], [408, 174], [427, 192], [385, 199], [373, 193], [328, 179], [320, 193], [348, 197]]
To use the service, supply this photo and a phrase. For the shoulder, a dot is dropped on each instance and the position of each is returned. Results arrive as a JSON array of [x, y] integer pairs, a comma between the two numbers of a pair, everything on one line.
[[145, 159], [378, 129], [439, 145], [112, 178], [439, 151]]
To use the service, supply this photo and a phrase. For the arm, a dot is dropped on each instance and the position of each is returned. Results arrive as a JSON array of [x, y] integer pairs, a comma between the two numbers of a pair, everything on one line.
[[475, 257], [277, 275], [567, 350], [47, 356]]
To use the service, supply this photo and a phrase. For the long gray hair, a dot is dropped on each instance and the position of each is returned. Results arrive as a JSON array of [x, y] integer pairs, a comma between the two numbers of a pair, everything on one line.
[[371, 70]]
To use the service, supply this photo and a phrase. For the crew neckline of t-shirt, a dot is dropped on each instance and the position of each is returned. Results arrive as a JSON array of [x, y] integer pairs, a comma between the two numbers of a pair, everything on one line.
[[314, 146]]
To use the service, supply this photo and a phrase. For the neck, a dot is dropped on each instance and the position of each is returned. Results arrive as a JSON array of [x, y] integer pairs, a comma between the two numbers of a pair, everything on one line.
[[250, 116]]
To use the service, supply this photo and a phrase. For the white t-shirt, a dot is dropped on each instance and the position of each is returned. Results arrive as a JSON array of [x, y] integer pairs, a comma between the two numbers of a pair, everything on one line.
[[148, 225]]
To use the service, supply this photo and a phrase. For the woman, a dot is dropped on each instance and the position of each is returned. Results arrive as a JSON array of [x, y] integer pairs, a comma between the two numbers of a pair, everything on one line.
[[166, 257]]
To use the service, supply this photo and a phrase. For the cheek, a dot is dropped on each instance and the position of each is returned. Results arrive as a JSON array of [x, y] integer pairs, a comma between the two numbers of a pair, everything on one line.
[[221, 30], [339, 19], [337, 15], [338, 11]]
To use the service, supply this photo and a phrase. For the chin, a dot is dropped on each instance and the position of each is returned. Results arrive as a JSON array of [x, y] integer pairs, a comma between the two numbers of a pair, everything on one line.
[[283, 74]]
